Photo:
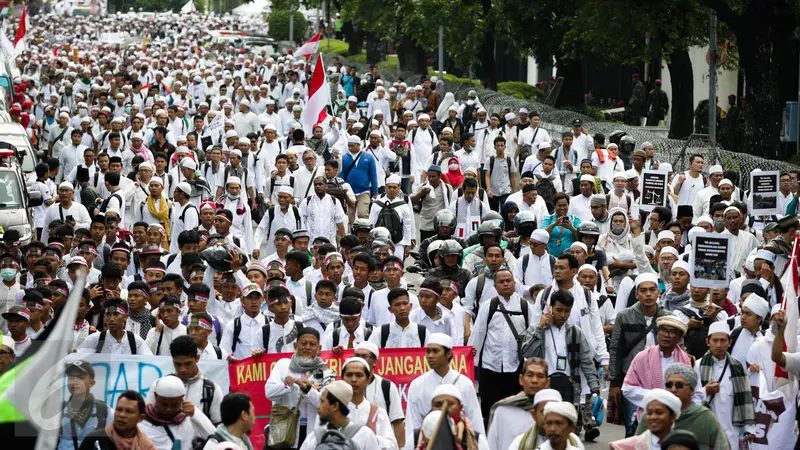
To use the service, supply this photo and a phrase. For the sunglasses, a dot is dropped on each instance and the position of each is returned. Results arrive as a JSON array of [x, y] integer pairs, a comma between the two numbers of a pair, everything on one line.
[[677, 384]]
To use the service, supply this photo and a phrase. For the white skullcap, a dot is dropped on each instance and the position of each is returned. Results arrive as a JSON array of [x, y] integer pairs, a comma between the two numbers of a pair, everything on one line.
[[157, 180], [66, 185], [135, 135], [665, 167], [510, 116], [732, 208], [145, 165], [286, 189], [649, 250], [354, 140], [580, 245], [230, 134], [706, 219], [666, 234], [766, 255], [341, 390], [8, 341], [681, 264], [694, 231], [586, 177], [619, 175], [189, 163], [440, 339], [587, 267], [356, 359], [546, 395], [564, 409], [715, 169], [726, 181], [453, 108], [236, 152], [430, 422], [375, 132], [757, 305], [244, 102], [482, 110], [185, 187], [424, 117], [541, 236], [670, 250], [411, 122], [749, 263], [234, 180], [369, 346], [182, 149], [244, 140], [447, 129], [271, 127], [775, 308], [644, 278], [720, 326], [664, 397], [447, 389], [544, 145], [170, 386], [631, 174], [352, 98], [393, 179]]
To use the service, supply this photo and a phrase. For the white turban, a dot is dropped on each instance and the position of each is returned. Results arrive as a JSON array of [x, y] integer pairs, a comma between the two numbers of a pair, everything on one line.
[[757, 305], [565, 409], [447, 389], [664, 397], [170, 386]]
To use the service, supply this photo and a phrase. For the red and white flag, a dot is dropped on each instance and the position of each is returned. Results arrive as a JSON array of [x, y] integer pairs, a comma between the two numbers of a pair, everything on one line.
[[310, 47], [319, 97], [22, 30], [790, 307]]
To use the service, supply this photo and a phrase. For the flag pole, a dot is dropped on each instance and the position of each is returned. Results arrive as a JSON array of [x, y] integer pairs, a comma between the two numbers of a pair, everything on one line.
[[438, 425]]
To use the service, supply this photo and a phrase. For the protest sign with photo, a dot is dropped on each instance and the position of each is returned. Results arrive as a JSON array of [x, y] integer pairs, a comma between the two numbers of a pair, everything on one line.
[[400, 365], [654, 189], [710, 260], [764, 192]]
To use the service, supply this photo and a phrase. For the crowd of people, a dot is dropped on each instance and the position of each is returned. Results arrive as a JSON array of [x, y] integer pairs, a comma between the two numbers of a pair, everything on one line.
[[212, 225]]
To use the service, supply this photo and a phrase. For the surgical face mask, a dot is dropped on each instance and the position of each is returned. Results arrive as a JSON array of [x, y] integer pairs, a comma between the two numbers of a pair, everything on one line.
[[233, 197], [8, 274], [719, 223], [453, 167], [617, 229]]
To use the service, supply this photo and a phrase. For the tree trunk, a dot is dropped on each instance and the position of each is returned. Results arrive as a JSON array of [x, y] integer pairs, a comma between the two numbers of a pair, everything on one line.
[[572, 89], [485, 69], [411, 57], [761, 113], [353, 37], [682, 107], [375, 48]]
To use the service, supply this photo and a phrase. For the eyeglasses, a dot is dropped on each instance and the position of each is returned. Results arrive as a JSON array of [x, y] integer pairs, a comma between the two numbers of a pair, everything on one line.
[[669, 332], [677, 384]]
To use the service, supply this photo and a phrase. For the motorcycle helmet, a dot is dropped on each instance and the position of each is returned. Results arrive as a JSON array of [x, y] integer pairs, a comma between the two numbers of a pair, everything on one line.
[[445, 218], [361, 224], [525, 223], [379, 234], [490, 228], [451, 247], [492, 215], [433, 248]]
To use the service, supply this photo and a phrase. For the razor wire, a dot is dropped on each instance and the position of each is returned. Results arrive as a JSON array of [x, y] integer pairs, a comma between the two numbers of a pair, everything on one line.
[[557, 121]]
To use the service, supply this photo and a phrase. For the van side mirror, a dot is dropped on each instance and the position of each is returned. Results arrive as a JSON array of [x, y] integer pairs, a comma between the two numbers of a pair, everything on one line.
[[34, 199]]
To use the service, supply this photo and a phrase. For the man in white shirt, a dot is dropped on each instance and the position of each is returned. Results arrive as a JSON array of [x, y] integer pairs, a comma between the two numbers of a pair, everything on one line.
[[184, 215], [534, 134], [581, 205], [115, 339], [239, 336], [605, 162], [700, 202], [537, 266], [688, 184], [245, 121], [498, 361], [70, 156], [424, 140], [356, 372], [403, 211], [304, 176], [381, 391], [168, 326], [333, 414], [420, 391], [400, 333], [167, 423], [321, 213]]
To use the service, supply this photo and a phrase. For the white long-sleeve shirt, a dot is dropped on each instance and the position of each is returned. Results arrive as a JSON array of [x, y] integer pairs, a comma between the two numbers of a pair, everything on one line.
[[320, 216], [404, 211], [184, 217], [492, 338], [195, 425], [247, 337], [279, 393], [169, 334], [56, 211], [194, 394]]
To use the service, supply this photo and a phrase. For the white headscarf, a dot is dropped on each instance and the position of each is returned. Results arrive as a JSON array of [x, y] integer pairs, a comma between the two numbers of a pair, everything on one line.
[[444, 107]]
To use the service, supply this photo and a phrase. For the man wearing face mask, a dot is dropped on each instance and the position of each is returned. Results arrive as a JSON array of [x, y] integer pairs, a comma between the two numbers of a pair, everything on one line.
[[469, 158], [9, 267]]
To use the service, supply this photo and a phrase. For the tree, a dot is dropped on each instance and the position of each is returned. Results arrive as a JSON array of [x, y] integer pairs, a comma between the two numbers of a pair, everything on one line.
[[279, 25], [412, 26], [605, 28], [765, 41]]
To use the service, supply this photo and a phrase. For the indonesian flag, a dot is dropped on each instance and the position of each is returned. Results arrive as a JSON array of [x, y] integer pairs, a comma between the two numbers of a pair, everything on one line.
[[789, 305], [147, 86], [310, 47], [22, 30], [319, 97]]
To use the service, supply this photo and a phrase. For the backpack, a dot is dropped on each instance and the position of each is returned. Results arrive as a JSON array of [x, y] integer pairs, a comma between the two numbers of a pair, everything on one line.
[[101, 410], [421, 333], [334, 189], [526, 150], [271, 213], [265, 332], [217, 329], [337, 440], [208, 391], [390, 219], [695, 340], [466, 115], [337, 326], [414, 135], [508, 163], [199, 443], [131, 342], [527, 259], [494, 305], [547, 190], [237, 330]]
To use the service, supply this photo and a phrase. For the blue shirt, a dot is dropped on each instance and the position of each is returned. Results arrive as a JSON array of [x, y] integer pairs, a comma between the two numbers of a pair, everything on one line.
[[65, 441], [364, 176], [560, 238]]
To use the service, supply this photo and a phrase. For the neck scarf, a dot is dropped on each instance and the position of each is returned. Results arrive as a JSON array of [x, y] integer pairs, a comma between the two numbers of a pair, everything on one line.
[[520, 400], [323, 315], [301, 365], [151, 415], [162, 215], [222, 430], [139, 441], [742, 397], [142, 151], [142, 318], [81, 413]]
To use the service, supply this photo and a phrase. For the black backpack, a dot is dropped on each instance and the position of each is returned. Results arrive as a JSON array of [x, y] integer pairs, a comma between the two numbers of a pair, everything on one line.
[[547, 190], [466, 115], [421, 333], [390, 219], [101, 410], [695, 340], [337, 327], [199, 443]]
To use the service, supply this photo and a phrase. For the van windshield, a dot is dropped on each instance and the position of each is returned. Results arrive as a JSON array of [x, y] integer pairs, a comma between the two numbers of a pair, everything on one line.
[[10, 193]]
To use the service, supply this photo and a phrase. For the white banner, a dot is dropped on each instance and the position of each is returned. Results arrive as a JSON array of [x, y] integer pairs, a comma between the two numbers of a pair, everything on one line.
[[764, 189], [115, 374], [711, 260]]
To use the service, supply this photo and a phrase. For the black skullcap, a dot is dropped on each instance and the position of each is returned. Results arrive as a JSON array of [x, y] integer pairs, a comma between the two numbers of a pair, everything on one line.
[[308, 330]]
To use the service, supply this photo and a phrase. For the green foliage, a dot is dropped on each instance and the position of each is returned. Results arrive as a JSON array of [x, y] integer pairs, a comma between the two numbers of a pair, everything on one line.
[[159, 5], [452, 78], [521, 90], [279, 25], [390, 62], [333, 46]]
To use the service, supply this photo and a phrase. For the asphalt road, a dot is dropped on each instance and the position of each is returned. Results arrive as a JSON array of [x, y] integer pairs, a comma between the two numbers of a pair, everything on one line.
[[608, 433]]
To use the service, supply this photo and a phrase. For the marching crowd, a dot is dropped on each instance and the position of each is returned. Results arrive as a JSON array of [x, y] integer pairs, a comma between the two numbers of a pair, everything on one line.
[[212, 225]]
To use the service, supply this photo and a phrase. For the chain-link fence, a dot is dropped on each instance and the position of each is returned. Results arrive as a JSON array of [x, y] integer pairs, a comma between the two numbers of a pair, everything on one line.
[[557, 121]]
